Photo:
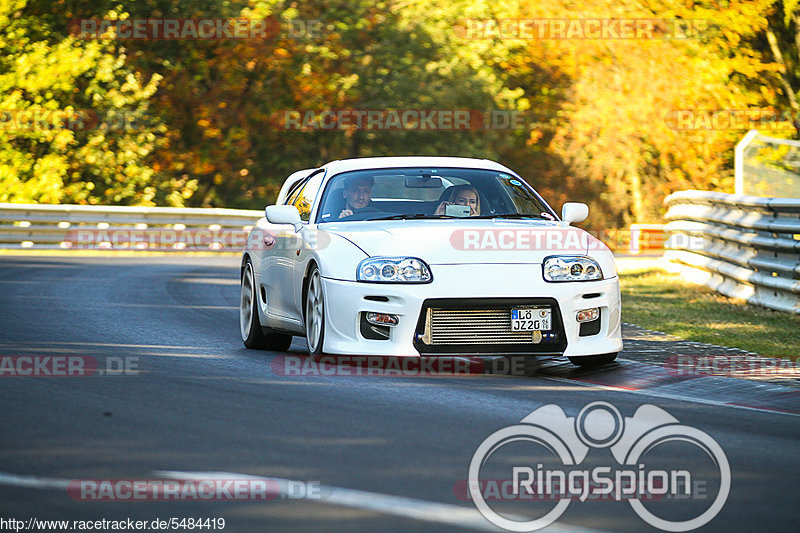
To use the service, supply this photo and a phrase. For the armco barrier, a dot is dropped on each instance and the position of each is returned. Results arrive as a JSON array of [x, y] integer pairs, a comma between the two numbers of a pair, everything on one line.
[[741, 246], [35, 226], [79, 227]]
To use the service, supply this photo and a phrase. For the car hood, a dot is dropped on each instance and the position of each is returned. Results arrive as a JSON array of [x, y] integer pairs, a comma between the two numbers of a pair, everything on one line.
[[492, 241]]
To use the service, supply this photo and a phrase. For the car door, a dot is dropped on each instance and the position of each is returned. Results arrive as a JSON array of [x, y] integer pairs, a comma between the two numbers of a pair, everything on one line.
[[304, 202], [278, 264], [283, 265]]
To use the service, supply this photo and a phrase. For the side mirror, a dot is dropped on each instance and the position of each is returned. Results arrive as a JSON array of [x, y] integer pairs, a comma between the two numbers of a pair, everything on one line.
[[283, 214], [573, 212]]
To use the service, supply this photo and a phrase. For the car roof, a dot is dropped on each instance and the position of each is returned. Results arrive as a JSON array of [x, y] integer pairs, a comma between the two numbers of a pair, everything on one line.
[[368, 163]]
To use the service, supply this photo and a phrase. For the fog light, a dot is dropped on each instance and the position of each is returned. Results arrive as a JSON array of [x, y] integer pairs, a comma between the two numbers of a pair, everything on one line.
[[382, 319], [587, 315]]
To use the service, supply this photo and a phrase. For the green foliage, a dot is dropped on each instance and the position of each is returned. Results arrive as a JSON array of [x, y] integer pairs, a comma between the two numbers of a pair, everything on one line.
[[75, 123], [207, 112]]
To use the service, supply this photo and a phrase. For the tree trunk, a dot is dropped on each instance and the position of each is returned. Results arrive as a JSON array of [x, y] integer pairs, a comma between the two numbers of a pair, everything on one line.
[[635, 186]]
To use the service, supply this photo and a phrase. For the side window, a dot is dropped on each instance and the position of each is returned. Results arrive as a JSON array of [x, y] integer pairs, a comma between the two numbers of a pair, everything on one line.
[[333, 202], [303, 198], [290, 199]]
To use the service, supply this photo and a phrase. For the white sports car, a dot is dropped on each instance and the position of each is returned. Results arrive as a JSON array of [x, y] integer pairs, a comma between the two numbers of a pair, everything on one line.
[[423, 256]]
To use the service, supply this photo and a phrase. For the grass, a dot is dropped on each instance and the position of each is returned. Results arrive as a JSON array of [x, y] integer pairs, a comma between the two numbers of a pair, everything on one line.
[[659, 300]]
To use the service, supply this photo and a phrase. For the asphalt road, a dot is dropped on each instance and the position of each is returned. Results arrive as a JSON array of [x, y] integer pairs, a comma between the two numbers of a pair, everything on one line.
[[196, 404]]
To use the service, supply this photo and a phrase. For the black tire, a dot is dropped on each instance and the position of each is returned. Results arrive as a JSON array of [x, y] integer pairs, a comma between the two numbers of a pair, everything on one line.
[[253, 334], [593, 360], [314, 315]]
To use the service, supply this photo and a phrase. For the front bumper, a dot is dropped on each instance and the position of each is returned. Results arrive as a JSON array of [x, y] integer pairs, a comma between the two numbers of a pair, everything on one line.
[[346, 300]]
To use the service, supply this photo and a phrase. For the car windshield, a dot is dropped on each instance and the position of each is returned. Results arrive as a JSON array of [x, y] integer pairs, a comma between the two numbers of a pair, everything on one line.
[[401, 193]]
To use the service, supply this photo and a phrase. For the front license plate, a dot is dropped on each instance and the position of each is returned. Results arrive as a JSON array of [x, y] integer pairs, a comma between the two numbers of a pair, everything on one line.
[[531, 319]]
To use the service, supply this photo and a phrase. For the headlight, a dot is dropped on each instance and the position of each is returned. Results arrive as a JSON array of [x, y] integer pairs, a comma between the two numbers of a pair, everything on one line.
[[570, 268], [393, 270]]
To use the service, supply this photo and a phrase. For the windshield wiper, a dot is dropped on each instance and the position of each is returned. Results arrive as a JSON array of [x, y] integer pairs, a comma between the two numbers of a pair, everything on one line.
[[415, 215], [511, 215], [423, 215]]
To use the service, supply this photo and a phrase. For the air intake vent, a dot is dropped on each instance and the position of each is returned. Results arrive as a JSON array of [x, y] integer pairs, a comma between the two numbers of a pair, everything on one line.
[[484, 326]]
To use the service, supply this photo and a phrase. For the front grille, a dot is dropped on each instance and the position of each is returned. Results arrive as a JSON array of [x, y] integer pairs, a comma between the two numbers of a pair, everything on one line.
[[474, 326], [484, 326]]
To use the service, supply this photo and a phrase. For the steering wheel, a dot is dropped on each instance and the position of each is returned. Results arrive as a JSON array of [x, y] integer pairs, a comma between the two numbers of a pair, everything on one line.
[[362, 214]]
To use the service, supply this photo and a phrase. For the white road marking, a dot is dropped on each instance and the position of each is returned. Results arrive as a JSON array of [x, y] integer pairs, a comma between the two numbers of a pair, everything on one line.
[[444, 513], [415, 509], [662, 394], [32, 482], [358, 499], [396, 505]]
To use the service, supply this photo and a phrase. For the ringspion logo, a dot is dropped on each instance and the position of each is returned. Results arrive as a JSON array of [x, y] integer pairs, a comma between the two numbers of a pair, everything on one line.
[[647, 450]]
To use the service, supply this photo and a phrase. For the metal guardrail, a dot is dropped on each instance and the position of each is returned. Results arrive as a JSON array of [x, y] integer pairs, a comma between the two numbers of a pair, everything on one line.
[[741, 246], [40, 226]]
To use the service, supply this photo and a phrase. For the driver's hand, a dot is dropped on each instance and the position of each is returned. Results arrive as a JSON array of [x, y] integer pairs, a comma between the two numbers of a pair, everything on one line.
[[440, 210], [345, 213]]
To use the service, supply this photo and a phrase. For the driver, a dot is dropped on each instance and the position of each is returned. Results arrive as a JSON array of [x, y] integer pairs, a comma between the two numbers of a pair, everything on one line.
[[357, 194]]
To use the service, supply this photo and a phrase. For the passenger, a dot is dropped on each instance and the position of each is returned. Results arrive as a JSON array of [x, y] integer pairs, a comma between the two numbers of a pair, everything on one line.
[[461, 195]]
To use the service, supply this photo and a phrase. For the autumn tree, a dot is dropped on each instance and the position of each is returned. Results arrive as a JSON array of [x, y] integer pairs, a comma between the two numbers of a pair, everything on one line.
[[75, 125]]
